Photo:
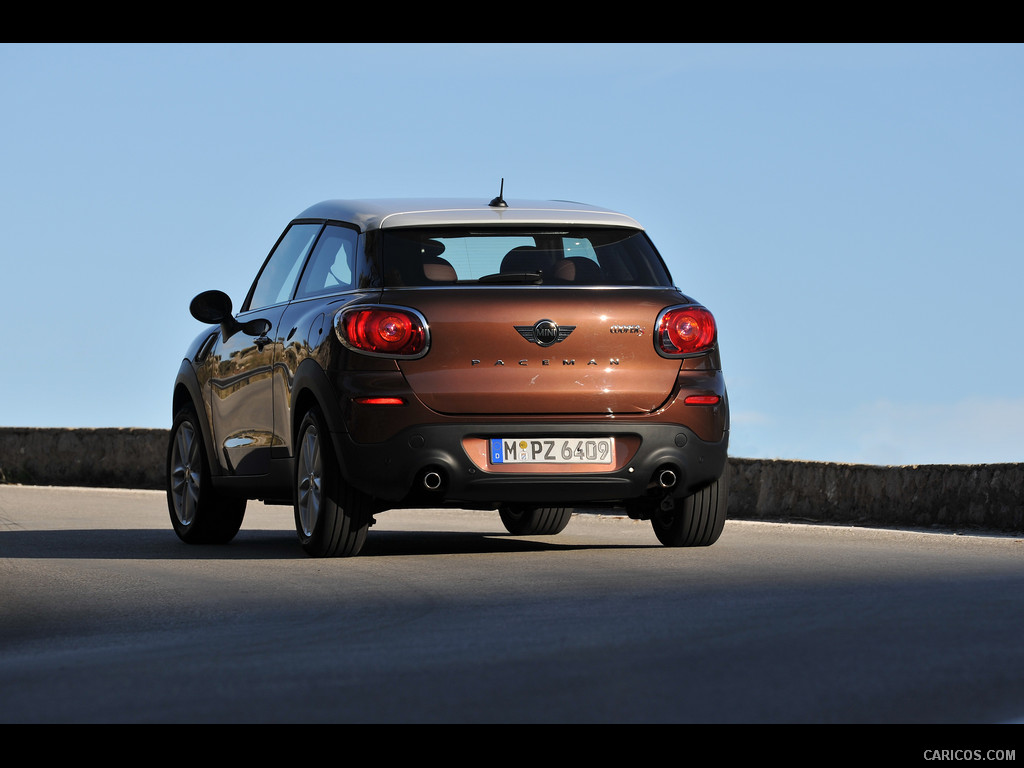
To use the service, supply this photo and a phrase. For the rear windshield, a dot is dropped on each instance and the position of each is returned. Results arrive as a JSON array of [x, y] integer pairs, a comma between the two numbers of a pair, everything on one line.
[[591, 256]]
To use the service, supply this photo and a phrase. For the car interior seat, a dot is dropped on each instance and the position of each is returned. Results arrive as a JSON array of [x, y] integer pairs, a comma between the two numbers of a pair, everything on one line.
[[579, 270], [528, 258]]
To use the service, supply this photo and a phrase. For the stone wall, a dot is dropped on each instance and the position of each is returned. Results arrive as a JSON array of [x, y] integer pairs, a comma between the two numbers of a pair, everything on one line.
[[972, 497], [106, 458], [981, 496]]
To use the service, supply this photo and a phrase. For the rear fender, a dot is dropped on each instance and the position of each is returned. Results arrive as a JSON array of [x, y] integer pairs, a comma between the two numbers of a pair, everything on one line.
[[311, 388]]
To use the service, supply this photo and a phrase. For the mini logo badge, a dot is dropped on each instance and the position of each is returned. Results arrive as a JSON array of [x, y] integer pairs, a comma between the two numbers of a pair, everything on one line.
[[544, 333]]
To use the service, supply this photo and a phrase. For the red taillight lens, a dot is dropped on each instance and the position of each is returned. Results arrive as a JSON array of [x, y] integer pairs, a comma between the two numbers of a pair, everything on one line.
[[685, 330], [388, 331]]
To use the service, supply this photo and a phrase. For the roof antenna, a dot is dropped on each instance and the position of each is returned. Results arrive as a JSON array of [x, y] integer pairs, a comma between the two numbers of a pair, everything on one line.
[[499, 201]]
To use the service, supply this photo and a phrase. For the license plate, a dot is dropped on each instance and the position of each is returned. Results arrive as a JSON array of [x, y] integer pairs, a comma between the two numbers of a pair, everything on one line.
[[547, 450]]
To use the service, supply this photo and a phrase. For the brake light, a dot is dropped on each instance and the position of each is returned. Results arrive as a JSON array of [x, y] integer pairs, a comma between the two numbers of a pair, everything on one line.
[[685, 330], [383, 331]]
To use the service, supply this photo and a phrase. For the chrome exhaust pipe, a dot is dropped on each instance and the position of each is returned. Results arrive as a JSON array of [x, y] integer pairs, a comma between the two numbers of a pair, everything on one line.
[[667, 478], [432, 480]]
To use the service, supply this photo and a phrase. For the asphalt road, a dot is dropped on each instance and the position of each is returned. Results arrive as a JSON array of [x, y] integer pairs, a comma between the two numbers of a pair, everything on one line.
[[105, 617]]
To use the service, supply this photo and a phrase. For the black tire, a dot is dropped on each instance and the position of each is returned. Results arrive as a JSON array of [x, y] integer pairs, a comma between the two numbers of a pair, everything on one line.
[[331, 518], [199, 514], [697, 520], [534, 521]]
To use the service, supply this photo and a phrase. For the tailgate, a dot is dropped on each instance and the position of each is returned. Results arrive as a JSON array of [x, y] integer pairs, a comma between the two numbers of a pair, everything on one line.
[[484, 357]]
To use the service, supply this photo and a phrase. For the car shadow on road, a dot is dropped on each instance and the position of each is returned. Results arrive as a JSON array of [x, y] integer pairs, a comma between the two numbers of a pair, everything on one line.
[[259, 544], [385, 543]]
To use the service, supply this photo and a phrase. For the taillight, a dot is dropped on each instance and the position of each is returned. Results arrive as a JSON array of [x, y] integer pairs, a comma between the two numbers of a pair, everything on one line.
[[685, 330], [383, 331]]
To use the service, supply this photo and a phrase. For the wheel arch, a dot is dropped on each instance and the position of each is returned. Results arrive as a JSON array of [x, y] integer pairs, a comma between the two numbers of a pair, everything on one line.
[[187, 391], [311, 388]]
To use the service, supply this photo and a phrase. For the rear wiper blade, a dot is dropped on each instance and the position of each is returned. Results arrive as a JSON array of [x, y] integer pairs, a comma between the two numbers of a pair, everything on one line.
[[512, 278]]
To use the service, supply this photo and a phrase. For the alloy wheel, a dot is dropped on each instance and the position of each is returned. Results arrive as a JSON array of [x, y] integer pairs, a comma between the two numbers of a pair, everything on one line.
[[186, 463], [310, 481]]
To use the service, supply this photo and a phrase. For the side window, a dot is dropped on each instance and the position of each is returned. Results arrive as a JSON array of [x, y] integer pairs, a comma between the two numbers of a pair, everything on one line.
[[277, 280], [332, 265]]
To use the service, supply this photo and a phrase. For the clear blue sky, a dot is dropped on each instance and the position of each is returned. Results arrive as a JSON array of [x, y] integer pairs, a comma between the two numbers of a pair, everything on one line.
[[852, 214]]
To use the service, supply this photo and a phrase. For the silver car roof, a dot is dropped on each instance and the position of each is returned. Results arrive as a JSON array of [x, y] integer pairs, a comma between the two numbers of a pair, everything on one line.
[[410, 212]]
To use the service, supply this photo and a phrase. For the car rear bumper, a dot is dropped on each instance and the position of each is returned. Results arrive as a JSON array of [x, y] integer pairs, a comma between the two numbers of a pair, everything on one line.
[[435, 465]]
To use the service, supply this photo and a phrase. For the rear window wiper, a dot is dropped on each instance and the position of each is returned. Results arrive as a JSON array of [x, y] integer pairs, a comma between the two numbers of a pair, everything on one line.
[[512, 278]]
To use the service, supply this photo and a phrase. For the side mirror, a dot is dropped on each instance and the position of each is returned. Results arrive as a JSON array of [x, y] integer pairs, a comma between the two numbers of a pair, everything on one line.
[[211, 307], [214, 307]]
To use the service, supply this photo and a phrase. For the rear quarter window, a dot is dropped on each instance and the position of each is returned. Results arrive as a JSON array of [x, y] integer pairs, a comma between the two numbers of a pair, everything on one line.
[[332, 267]]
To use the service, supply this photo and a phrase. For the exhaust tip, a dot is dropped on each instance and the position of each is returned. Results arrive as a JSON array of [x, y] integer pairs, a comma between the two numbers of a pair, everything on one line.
[[667, 478], [432, 480]]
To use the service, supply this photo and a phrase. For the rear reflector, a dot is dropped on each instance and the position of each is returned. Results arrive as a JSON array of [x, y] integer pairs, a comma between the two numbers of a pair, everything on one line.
[[702, 400], [379, 400]]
